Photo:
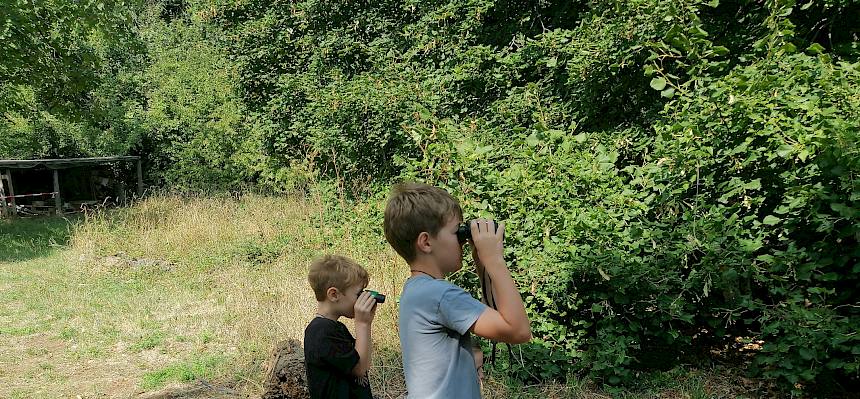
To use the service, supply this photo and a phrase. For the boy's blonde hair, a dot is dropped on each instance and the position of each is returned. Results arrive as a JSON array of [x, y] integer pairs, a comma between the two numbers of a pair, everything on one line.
[[335, 271], [414, 208]]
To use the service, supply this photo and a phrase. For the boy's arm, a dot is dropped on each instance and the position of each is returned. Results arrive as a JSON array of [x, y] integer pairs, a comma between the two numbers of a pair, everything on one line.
[[508, 322], [365, 309]]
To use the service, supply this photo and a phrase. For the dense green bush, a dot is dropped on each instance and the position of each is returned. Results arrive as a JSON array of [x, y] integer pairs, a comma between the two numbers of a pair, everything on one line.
[[766, 185], [675, 175], [198, 133]]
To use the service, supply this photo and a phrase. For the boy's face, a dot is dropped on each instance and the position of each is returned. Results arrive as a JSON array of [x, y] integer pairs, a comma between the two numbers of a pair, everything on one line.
[[448, 250], [346, 305]]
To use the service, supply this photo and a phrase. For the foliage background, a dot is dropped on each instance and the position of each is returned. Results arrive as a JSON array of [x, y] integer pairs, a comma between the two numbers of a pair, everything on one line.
[[677, 176]]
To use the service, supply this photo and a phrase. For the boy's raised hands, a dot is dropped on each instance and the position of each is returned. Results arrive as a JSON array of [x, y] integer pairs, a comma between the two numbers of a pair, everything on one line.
[[365, 308], [487, 243], [508, 321]]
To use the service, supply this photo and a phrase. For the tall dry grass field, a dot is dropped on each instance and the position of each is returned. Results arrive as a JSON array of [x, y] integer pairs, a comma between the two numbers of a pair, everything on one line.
[[175, 289]]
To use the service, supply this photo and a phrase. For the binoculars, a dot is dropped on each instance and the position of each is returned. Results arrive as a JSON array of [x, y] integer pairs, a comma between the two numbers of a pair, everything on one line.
[[380, 298], [464, 232]]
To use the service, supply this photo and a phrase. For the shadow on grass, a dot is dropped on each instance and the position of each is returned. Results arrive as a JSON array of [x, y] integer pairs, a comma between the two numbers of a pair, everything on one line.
[[28, 238]]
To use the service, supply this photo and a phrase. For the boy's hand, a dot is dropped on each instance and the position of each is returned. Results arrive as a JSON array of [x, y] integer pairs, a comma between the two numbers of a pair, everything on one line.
[[365, 308], [487, 247]]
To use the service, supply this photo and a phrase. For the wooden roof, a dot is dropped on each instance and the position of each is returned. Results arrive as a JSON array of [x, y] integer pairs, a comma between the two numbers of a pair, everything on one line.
[[61, 163]]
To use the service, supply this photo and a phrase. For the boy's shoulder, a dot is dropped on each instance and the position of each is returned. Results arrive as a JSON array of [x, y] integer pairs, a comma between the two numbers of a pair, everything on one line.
[[425, 285], [321, 327], [432, 304], [322, 334], [423, 291]]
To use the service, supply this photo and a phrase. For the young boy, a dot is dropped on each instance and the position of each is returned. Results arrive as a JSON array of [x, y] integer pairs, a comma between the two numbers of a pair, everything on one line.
[[337, 363], [436, 317]]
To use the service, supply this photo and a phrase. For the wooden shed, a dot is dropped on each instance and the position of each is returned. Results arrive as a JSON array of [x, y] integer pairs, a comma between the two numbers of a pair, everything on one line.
[[31, 181]]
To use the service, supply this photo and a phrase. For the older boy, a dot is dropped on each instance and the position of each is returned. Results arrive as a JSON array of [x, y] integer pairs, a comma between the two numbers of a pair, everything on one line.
[[436, 317], [337, 363]]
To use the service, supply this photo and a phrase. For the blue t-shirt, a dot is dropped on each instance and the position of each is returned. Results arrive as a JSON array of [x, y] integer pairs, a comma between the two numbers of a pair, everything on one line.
[[435, 317]]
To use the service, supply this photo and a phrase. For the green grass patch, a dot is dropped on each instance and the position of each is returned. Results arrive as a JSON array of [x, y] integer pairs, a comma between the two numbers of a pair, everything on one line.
[[17, 331], [204, 367], [68, 333], [26, 238], [90, 351], [206, 337], [148, 341], [677, 382]]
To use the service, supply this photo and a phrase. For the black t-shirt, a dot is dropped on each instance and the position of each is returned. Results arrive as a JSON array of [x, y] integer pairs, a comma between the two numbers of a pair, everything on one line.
[[330, 357]]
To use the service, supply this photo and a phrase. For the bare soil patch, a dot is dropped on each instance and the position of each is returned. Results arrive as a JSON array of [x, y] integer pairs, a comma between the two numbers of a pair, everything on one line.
[[197, 390]]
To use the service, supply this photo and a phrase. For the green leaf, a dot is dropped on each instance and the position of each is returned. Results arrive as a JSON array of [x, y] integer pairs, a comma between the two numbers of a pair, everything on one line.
[[815, 48], [750, 245], [720, 50], [714, 3], [771, 220], [658, 83], [668, 93], [784, 150], [766, 258], [844, 210], [648, 70], [753, 185], [698, 31]]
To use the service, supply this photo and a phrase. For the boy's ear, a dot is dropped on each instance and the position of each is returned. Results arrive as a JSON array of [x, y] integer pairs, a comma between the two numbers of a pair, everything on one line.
[[422, 243], [332, 294]]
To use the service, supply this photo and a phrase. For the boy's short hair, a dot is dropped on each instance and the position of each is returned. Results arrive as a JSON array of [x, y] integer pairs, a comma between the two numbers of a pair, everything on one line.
[[414, 208], [335, 271]]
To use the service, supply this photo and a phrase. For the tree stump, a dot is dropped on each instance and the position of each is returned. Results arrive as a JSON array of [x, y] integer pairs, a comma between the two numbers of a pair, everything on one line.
[[285, 372]]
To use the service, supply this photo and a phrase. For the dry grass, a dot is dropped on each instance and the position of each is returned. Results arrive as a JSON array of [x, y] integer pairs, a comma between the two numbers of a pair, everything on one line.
[[252, 255], [175, 289]]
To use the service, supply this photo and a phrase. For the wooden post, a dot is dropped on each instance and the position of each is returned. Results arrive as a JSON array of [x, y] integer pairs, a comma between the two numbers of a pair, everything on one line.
[[92, 182], [139, 178], [2, 196], [58, 202], [120, 193], [11, 192]]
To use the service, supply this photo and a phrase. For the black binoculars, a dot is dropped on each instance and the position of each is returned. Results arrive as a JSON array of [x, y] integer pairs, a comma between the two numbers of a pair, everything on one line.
[[380, 298], [464, 232]]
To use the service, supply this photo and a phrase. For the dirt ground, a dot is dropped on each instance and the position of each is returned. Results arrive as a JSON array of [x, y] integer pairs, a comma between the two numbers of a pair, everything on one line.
[[27, 361], [285, 379]]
